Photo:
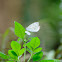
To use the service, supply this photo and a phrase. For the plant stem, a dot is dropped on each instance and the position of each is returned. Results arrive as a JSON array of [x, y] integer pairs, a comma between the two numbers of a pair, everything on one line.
[[25, 51], [30, 56]]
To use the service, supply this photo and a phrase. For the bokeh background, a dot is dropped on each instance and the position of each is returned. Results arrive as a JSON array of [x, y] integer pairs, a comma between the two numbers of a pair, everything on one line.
[[47, 12]]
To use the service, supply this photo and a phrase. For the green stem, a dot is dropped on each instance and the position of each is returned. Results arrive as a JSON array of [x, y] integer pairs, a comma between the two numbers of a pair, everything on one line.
[[30, 38], [30, 56], [25, 51]]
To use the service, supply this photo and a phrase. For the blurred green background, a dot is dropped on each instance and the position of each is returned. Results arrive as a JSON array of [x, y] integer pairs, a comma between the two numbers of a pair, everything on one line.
[[47, 12]]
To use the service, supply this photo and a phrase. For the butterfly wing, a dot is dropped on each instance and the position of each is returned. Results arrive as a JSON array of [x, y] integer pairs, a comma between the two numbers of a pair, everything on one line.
[[27, 32], [34, 27]]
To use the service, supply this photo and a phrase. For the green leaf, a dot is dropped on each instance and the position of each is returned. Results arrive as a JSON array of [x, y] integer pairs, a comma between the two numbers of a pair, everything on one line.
[[10, 61], [21, 51], [50, 60], [19, 30], [29, 50], [12, 54], [37, 50], [37, 56], [4, 56], [29, 45], [16, 47], [35, 42]]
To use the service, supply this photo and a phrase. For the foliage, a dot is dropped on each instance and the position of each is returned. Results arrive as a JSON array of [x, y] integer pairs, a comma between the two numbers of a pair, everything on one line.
[[32, 47]]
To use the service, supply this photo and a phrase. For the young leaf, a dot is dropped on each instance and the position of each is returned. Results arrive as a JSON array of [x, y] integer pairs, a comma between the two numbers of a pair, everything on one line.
[[4, 56], [35, 42], [19, 30], [21, 51], [16, 47], [37, 50], [12, 54], [37, 56]]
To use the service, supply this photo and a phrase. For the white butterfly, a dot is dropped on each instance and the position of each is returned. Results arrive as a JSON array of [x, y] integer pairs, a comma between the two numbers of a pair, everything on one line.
[[34, 27]]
